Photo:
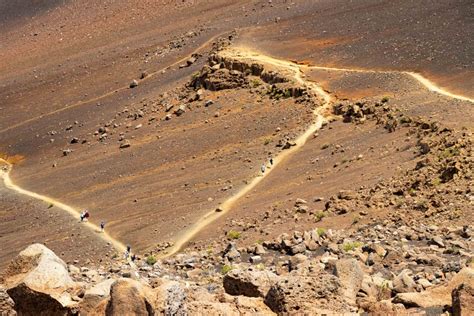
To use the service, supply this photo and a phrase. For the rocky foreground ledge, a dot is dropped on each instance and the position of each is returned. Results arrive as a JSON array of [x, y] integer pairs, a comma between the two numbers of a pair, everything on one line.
[[347, 279]]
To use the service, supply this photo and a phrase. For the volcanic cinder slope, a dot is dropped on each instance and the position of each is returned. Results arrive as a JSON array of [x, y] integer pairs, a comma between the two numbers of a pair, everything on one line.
[[66, 67]]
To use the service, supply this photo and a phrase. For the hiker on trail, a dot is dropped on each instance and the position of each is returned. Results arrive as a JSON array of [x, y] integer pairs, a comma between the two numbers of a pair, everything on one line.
[[84, 215], [102, 226], [262, 168], [127, 252], [271, 161], [133, 257]]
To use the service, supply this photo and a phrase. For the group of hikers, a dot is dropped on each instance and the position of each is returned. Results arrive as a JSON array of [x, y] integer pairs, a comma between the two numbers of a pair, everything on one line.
[[84, 216], [264, 165], [128, 254]]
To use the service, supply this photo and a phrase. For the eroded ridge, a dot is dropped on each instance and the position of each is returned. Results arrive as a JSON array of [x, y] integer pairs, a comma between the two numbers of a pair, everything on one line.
[[293, 72]]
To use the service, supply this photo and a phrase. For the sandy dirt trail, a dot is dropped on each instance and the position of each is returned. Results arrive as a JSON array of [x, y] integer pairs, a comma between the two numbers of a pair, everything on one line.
[[428, 84], [5, 169]]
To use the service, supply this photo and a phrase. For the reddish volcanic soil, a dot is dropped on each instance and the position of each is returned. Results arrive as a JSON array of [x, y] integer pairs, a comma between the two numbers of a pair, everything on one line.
[[66, 67]]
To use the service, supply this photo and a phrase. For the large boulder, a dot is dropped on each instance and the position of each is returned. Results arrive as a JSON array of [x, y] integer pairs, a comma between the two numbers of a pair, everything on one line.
[[39, 283], [96, 298], [171, 299], [404, 282], [350, 277], [249, 283], [311, 294], [130, 297], [438, 296], [6, 303], [463, 300], [201, 302]]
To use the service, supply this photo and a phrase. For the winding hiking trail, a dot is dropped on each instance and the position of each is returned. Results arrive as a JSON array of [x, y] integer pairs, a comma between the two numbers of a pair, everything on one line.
[[320, 118], [9, 184], [242, 53], [318, 122]]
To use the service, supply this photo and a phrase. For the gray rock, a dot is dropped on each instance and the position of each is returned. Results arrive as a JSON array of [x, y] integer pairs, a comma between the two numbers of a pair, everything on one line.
[[298, 248], [403, 282], [191, 61], [314, 294], [231, 252], [125, 144], [350, 277], [249, 283], [259, 250], [133, 84], [438, 241], [180, 110], [129, 297], [168, 107], [463, 300], [37, 280]]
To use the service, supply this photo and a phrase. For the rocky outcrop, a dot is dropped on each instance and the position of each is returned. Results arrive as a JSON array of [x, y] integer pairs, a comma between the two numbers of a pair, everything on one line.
[[129, 297], [439, 296], [171, 298], [201, 302], [96, 298], [314, 294], [37, 280], [350, 276], [249, 283], [463, 300]]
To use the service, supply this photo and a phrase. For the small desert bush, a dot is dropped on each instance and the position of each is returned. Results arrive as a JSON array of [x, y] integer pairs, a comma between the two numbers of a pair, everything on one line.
[[232, 234], [321, 231], [226, 269], [319, 216], [350, 246], [151, 260]]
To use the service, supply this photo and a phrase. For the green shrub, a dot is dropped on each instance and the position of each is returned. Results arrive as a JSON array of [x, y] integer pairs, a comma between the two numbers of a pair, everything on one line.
[[321, 231], [349, 246], [232, 234], [260, 266], [151, 260], [319, 216], [255, 83], [436, 181], [385, 99], [210, 251], [450, 152], [226, 268], [325, 146]]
